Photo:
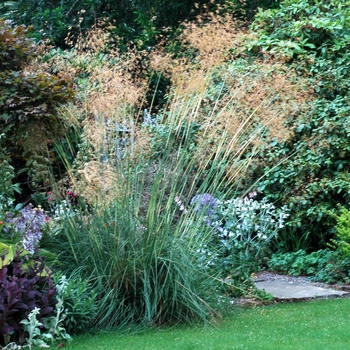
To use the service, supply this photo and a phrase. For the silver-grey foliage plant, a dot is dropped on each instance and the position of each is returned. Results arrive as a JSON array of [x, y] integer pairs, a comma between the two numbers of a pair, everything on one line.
[[241, 227]]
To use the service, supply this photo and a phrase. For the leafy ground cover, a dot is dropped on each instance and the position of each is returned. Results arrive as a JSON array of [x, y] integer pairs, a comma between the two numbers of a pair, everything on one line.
[[319, 324]]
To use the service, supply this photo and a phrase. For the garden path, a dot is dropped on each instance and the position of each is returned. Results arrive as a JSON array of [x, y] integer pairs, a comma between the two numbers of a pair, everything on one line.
[[288, 287]]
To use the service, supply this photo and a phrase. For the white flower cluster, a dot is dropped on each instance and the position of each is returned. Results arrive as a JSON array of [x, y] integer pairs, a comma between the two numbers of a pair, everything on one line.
[[245, 226], [248, 219], [5, 203], [62, 210], [241, 227], [206, 257]]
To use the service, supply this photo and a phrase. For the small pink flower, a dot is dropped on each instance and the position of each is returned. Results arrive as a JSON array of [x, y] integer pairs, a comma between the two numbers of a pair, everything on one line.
[[49, 198], [69, 192], [252, 194], [47, 218]]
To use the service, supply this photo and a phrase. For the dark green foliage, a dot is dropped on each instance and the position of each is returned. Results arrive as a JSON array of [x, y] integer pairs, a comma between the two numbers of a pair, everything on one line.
[[140, 22], [303, 27], [247, 9], [6, 176], [313, 174], [158, 88], [323, 265], [135, 20], [28, 104]]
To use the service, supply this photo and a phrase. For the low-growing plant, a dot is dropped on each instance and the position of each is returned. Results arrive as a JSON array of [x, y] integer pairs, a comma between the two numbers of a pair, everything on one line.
[[241, 231], [51, 328], [32, 327], [289, 240], [323, 265], [78, 302], [55, 324], [42, 334], [22, 289]]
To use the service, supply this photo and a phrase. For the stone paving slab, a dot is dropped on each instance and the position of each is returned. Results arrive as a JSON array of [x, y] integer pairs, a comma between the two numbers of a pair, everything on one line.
[[283, 289]]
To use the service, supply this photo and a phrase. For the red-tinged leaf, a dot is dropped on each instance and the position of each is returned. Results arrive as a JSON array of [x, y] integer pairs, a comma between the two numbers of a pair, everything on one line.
[[20, 305], [45, 311], [31, 294]]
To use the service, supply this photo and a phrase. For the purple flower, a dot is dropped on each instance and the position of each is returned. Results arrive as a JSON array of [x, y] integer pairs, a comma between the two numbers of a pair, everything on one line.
[[28, 224], [204, 202]]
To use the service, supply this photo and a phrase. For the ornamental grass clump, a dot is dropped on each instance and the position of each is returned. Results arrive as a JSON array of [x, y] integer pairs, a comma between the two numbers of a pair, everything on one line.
[[128, 237], [131, 242], [141, 255]]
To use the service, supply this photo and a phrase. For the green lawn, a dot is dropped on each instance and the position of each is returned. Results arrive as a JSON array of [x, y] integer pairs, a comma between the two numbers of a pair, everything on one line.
[[313, 325]]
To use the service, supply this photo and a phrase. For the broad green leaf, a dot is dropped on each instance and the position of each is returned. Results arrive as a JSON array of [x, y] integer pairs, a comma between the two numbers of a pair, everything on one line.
[[7, 249]]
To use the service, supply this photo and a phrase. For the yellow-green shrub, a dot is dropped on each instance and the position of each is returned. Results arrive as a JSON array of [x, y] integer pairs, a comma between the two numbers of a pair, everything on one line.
[[342, 240]]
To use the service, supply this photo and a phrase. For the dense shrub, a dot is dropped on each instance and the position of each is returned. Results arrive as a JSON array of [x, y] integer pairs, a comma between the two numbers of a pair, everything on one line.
[[133, 22], [28, 105], [312, 175], [23, 288]]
